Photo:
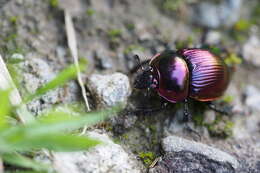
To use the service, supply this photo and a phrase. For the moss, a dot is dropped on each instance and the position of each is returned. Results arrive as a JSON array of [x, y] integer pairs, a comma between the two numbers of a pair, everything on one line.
[[13, 20], [172, 5], [130, 26], [113, 33], [198, 119], [54, 3], [215, 50], [233, 59], [147, 157], [125, 136], [114, 37], [221, 127], [256, 14], [90, 12], [242, 25], [227, 99], [133, 47], [185, 43]]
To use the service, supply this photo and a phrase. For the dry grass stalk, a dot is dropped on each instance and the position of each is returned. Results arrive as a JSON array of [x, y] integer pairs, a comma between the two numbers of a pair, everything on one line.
[[6, 82], [72, 43]]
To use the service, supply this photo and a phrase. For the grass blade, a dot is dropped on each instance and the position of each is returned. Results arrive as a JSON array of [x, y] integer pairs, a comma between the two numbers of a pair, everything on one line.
[[24, 162], [46, 132], [55, 142], [5, 108]]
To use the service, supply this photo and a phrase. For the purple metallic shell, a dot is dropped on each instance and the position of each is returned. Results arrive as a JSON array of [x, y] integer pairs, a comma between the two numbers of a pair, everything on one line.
[[209, 75], [172, 75]]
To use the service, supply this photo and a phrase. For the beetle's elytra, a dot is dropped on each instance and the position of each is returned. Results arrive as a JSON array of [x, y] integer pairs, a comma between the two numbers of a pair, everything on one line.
[[194, 73]]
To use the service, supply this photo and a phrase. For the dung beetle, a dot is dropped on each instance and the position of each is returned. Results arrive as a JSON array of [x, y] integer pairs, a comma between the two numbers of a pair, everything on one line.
[[186, 73]]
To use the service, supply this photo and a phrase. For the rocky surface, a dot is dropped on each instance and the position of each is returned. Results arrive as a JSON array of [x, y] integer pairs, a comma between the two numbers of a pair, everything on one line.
[[189, 162], [107, 157], [109, 33], [177, 144]]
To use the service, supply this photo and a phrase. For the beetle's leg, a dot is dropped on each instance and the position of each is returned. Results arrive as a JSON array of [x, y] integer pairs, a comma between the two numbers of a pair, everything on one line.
[[139, 65], [188, 118], [151, 110], [227, 110]]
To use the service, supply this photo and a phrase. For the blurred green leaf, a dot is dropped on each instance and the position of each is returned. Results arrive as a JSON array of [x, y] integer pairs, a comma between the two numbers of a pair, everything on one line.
[[55, 142], [5, 107], [20, 171], [22, 161], [63, 77], [46, 132]]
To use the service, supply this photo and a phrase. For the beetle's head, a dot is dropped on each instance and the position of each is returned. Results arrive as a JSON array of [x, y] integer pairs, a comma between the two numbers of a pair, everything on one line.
[[145, 78]]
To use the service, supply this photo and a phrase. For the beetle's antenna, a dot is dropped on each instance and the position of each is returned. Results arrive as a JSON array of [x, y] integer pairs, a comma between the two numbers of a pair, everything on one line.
[[137, 58]]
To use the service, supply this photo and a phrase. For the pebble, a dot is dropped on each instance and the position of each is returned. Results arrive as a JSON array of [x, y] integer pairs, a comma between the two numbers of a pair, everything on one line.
[[177, 144], [252, 97], [251, 51], [109, 90]]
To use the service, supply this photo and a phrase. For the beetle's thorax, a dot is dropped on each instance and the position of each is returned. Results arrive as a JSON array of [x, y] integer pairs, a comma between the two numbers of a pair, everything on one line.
[[172, 74]]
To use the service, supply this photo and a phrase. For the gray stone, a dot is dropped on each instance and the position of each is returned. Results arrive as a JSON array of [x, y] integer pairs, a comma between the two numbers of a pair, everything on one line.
[[210, 14], [252, 97], [109, 89], [177, 144], [209, 117], [188, 162], [251, 50], [107, 157], [213, 37]]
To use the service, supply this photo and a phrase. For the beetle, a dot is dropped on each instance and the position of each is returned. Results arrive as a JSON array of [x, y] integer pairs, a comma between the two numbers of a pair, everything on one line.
[[186, 73]]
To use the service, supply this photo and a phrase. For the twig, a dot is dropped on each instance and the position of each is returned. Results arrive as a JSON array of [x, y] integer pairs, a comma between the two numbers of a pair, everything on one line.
[[6, 82], [72, 43]]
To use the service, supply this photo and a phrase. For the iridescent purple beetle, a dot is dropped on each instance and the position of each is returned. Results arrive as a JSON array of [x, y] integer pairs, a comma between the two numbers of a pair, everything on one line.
[[187, 73]]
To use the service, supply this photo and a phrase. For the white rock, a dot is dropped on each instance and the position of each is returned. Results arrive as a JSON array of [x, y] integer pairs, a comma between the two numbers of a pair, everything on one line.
[[109, 89], [213, 37], [251, 50], [107, 157], [176, 144], [252, 97], [213, 15]]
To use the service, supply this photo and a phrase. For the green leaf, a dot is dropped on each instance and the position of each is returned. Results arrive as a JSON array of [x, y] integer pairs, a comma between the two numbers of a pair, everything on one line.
[[5, 107], [63, 77], [43, 133], [20, 171], [55, 142], [25, 162], [59, 121]]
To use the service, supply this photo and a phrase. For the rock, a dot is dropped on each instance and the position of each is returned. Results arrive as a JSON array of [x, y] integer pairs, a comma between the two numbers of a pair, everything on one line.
[[252, 97], [36, 73], [107, 157], [213, 37], [251, 50], [209, 117], [17, 57], [103, 60], [189, 162], [177, 144], [109, 90], [213, 15]]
